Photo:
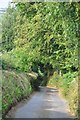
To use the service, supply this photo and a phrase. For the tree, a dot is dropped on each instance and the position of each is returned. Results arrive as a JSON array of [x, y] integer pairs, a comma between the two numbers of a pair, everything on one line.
[[54, 42]]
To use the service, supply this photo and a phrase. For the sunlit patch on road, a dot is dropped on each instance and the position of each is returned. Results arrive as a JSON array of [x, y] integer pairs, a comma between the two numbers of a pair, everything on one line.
[[43, 104]]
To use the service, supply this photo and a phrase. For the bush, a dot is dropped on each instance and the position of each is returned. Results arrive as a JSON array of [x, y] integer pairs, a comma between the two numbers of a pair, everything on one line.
[[33, 80], [68, 86], [73, 96], [67, 79], [15, 87], [54, 80]]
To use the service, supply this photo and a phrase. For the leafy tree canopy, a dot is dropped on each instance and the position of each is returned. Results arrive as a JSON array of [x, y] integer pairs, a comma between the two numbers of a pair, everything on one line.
[[41, 32]]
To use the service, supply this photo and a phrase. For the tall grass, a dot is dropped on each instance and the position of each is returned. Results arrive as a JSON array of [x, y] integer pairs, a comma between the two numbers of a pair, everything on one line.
[[68, 87], [15, 86]]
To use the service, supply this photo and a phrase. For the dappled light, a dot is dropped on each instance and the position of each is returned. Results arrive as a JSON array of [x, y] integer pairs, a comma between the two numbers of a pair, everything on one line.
[[39, 57], [50, 109], [47, 100]]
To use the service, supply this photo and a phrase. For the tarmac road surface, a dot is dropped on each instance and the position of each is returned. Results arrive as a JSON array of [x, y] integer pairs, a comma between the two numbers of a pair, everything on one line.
[[45, 103]]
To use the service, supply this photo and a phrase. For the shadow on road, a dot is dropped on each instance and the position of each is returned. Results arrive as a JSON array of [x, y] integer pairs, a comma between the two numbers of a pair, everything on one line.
[[46, 89], [46, 104]]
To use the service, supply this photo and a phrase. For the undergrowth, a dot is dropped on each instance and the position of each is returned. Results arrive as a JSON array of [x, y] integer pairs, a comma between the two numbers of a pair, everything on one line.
[[15, 86], [68, 87]]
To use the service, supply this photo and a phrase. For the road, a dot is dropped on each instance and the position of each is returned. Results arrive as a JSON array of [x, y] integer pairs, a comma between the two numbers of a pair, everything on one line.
[[43, 104]]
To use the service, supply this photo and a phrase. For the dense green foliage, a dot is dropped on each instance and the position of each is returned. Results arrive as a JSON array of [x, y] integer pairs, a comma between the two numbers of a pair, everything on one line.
[[68, 88], [15, 87], [42, 33], [42, 37]]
